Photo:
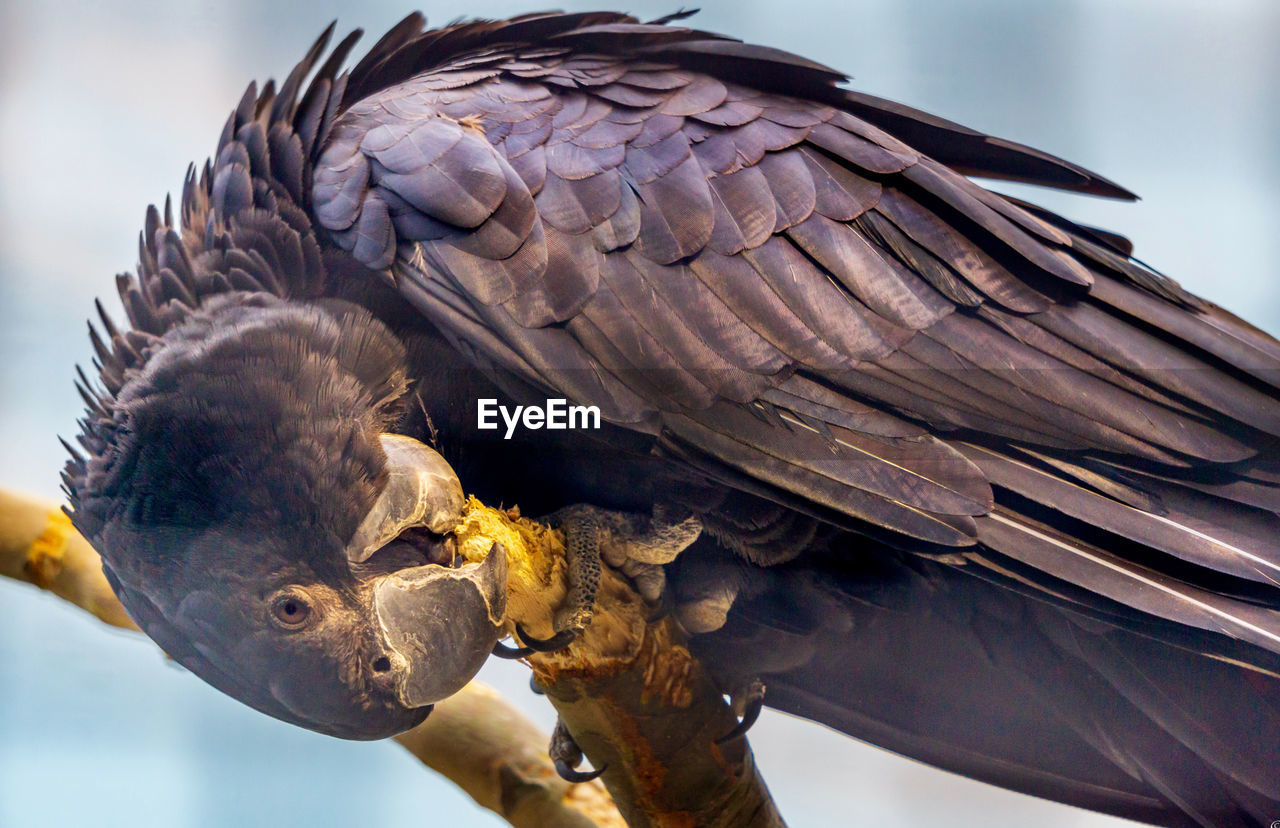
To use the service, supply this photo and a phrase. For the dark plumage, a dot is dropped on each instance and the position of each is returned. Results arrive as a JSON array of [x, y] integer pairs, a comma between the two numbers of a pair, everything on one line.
[[988, 491]]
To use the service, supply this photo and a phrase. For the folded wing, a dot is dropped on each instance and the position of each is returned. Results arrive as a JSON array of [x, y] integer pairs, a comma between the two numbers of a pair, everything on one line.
[[797, 290]]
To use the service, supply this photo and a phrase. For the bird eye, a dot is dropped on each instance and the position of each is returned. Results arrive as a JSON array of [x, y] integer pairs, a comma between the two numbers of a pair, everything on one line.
[[291, 611]]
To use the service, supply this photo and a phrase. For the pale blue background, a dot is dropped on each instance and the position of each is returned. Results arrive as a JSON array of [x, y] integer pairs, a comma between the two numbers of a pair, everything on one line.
[[102, 105]]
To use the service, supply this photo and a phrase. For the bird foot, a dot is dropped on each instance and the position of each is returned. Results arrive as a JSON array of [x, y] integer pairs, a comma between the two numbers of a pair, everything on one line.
[[566, 755], [636, 545], [747, 701]]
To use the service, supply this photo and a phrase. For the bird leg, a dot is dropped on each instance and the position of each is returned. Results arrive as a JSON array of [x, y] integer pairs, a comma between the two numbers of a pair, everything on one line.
[[636, 545], [747, 701], [566, 755], [582, 551]]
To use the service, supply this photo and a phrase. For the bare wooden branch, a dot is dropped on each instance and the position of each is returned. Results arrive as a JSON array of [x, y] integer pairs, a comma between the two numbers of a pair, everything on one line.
[[475, 739], [39, 545], [484, 746]]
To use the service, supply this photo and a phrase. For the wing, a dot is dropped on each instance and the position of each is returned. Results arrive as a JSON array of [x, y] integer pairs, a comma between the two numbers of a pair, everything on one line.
[[948, 666], [799, 293]]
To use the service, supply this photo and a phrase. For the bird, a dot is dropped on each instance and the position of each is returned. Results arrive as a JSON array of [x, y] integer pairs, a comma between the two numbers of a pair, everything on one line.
[[976, 485]]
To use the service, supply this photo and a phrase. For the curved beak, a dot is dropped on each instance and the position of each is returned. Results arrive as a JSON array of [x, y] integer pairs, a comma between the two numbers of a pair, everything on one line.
[[439, 622], [422, 490], [442, 623]]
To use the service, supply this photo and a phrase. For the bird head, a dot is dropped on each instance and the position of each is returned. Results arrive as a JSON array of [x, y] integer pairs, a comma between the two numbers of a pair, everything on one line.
[[262, 522]]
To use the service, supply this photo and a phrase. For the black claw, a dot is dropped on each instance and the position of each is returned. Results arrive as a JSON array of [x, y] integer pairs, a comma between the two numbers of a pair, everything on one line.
[[749, 716], [568, 774], [503, 651], [558, 641]]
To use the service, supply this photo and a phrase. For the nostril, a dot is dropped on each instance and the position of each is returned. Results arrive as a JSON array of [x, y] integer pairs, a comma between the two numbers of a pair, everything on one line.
[[381, 664]]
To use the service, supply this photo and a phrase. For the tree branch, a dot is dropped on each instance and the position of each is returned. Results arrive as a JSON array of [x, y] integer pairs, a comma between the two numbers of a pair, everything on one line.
[[475, 739], [632, 695], [652, 719], [490, 750], [630, 692], [39, 545]]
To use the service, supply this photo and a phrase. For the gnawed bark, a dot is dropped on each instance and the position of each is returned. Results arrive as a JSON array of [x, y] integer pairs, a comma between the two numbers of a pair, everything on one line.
[[634, 698], [652, 721]]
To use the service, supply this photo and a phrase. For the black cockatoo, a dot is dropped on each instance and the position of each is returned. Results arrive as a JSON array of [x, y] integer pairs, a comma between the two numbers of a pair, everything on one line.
[[975, 485]]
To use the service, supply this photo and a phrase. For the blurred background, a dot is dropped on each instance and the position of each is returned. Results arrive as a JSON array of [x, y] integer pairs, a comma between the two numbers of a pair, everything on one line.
[[103, 104]]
